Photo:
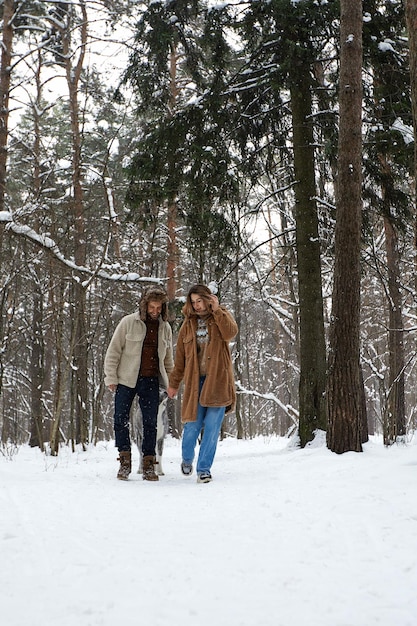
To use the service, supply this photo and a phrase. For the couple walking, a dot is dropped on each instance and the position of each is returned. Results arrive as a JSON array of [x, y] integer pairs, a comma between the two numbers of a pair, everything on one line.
[[139, 360]]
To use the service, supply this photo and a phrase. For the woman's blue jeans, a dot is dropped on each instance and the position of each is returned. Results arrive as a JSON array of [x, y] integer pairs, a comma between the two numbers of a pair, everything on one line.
[[210, 418], [147, 389]]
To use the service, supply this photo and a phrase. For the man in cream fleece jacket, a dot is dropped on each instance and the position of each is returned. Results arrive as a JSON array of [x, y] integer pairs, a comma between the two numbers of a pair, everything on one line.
[[137, 362]]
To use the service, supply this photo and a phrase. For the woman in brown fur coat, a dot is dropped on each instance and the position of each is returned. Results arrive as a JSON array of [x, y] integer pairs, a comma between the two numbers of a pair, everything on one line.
[[204, 363]]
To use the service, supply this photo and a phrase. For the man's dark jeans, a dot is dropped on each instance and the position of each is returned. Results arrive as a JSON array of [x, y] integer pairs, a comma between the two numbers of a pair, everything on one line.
[[147, 390]]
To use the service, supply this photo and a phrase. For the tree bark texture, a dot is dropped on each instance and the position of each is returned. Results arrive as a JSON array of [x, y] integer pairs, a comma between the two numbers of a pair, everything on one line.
[[37, 356], [5, 70], [80, 355], [394, 418], [172, 251], [312, 382], [172, 246], [344, 389], [394, 408], [411, 23], [62, 364], [238, 351], [37, 372]]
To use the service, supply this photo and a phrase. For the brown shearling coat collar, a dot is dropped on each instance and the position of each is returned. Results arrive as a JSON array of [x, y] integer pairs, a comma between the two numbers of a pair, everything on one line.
[[219, 386]]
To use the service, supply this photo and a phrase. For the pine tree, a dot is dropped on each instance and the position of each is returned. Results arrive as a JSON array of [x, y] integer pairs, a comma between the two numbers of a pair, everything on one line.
[[387, 165], [344, 380]]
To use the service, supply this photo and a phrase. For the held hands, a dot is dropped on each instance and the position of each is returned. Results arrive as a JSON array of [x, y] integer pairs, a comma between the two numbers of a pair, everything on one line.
[[112, 388], [171, 392]]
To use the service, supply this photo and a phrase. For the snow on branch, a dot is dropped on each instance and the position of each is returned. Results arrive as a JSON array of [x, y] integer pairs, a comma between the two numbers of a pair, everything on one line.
[[48, 244], [289, 410]]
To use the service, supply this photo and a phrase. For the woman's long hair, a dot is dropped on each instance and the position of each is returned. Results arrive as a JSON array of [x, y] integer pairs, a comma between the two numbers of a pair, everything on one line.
[[204, 293]]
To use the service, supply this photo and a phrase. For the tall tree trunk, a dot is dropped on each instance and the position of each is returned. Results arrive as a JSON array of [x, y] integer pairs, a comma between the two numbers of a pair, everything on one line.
[[280, 340], [393, 415], [172, 250], [411, 22], [312, 343], [37, 356], [394, 418], [80, 377], [36, 368], [5, 70], [238, 362], [60, 360], [172, 246], [344, 378]]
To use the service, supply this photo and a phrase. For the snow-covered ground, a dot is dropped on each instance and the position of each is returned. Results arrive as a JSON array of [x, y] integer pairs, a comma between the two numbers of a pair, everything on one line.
[[281, 537]]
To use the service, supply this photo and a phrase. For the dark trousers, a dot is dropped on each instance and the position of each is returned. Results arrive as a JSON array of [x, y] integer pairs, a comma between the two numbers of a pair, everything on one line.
[[147, 390]]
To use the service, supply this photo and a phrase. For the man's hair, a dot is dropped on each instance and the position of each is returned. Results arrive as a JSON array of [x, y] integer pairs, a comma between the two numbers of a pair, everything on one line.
[[199, 290], [153, 294]]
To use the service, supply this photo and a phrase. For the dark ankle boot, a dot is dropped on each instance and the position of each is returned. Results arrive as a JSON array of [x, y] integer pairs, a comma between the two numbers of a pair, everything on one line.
[[125, 468], [149, 468]]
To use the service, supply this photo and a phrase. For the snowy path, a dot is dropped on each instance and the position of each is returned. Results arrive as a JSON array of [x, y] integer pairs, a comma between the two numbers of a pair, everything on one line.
[[281, 537]]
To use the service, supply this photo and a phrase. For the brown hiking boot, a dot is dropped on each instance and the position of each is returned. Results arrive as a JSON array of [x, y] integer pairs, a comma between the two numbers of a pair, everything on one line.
[[149, 468], [125, 468]]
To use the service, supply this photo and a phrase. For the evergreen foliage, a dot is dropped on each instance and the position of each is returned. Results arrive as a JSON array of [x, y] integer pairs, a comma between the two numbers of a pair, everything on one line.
[[194, 142]]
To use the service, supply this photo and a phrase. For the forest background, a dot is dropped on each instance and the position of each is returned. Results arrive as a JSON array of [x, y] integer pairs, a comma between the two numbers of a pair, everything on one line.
[[182, 142]]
